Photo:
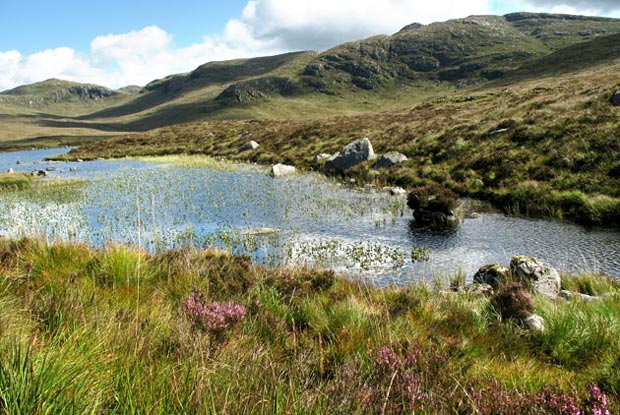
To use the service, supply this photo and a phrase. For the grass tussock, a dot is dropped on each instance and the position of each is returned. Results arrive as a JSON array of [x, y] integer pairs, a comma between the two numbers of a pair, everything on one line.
[[118, 330]]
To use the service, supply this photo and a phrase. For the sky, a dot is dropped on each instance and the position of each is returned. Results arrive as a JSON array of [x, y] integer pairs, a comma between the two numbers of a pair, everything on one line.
[[117, 43]]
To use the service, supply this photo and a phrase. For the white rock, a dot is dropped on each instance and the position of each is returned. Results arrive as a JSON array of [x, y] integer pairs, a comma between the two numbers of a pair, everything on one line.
[[534, 323], [279, 170]]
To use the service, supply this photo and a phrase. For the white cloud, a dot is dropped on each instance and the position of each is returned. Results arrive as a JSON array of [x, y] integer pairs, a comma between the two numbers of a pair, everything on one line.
[[319, 24], [609, 8]]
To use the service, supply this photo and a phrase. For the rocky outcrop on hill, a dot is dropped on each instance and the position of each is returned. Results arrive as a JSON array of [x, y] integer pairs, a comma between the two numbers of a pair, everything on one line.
[[259, 88]]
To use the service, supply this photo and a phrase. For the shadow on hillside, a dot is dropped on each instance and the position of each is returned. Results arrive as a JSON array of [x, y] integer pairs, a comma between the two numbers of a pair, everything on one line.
[[601, 50], [209, 74]]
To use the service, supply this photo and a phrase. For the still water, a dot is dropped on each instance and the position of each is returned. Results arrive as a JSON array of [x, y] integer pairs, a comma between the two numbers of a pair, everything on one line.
[[301, 219]]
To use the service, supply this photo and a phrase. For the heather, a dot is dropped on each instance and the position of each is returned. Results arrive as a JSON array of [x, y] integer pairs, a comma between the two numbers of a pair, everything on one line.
[[120, 330]]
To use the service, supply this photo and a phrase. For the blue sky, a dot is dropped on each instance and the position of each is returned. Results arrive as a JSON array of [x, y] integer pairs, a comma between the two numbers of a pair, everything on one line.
[[117, 43]]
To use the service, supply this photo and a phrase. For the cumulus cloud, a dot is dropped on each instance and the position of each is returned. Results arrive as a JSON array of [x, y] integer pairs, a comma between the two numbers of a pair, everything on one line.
[[319, 24], [577, 6]]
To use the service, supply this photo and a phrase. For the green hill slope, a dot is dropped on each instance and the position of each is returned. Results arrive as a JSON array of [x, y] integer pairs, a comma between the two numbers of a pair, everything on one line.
[[379, 73]]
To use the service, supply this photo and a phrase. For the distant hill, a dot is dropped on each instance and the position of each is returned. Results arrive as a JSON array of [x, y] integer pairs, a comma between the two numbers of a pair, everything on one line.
[[384, 72], [55, 91]]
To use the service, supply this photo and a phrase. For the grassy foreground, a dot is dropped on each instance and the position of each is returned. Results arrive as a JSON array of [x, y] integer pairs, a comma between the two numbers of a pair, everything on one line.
[[121, 331]]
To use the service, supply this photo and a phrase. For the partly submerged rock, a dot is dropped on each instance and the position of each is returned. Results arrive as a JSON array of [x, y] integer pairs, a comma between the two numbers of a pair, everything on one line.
[[351, 155], [279, 170], [542, 279], [40, 173], [73, 168], [392, 158], [492, 274], [250, 145]]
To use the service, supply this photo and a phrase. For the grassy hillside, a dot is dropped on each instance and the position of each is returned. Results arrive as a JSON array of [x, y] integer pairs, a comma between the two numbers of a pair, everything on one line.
[[378, 73], [546, 146]]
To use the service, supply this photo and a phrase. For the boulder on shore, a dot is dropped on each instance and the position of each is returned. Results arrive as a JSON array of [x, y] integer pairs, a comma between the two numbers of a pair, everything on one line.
[[10, 170], [397, 191], [542, 279], [492, 274], [250, 145], [392, 158], [351, 155], [279, 170]]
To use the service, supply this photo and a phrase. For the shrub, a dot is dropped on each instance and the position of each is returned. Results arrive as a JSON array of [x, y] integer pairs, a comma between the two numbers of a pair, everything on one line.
[[433, 198], [212, 317], [512, 302]]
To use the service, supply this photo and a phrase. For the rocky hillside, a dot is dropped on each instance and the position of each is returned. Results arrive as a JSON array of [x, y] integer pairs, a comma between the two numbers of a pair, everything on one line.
[[54, 91], [463, 51]]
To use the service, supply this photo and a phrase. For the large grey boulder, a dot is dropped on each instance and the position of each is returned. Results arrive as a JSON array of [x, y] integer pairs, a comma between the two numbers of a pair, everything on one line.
[[615, 98], [351, 155], [250, 145], [492, 274], [542, 279], [392, 158], [279, 170]]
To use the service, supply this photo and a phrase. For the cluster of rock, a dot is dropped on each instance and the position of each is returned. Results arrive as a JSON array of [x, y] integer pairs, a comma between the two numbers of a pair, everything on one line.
[[356, 153], [350, 156], [536, 277]]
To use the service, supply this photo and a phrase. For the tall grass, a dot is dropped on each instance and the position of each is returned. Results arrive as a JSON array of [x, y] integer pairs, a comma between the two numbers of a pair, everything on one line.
[[77, 338]]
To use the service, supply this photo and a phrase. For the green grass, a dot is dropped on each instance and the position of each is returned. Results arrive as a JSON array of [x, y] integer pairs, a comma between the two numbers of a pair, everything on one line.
[[107, 331], [14, 181]]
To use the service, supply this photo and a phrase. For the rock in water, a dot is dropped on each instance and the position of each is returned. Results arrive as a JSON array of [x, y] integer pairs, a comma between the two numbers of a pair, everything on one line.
[[541, 278], [352, 155], [615, 98], [390, 159], [250, 145], [279, 170], [10, 170], [492, 274]]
